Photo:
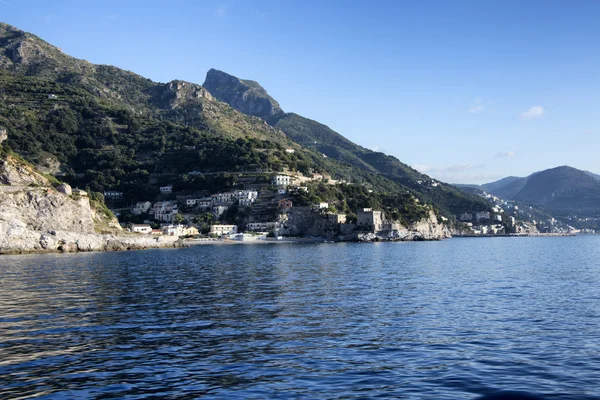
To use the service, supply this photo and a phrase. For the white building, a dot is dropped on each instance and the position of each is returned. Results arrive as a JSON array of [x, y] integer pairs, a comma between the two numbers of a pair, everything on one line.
[[299, 189], [291, 151], [112, 194], [482, 215], [141, 228], [322, 205], [193, 202], [246, 202], [220, 230], [281, 180], [465, 217], [205, 202], [224, 198], [166, 189], [260, 226], [141, 207], [219, 210], [247, 194], [165, 211]]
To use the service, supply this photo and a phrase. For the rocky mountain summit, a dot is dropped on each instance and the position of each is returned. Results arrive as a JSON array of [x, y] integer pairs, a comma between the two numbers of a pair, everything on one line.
[[244, 95]]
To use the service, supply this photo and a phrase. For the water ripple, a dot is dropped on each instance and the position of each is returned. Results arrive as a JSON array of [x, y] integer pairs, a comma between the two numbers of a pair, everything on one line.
[[449, 320]]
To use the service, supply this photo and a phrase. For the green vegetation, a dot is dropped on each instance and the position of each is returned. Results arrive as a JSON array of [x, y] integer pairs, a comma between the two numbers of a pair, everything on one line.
[[347, 199], [110, 129]]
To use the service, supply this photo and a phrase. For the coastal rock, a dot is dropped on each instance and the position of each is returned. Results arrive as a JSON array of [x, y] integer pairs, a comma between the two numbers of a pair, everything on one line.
[[44, 209], [15, 173], [34, 218], [16, 238]]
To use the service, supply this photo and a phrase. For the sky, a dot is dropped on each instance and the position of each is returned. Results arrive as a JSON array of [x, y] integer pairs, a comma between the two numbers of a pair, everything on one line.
[[465, 91]]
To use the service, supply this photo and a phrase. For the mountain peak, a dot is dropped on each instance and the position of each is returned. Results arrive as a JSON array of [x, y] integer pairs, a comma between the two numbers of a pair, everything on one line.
[[244, 95]]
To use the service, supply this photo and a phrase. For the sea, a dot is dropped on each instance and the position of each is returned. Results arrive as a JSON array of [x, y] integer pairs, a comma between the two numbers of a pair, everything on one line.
[[455, 319]]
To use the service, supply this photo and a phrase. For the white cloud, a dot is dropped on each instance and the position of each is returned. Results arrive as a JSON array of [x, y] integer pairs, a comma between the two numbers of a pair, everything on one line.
[[220, 12], [506, 154], [533, 112]]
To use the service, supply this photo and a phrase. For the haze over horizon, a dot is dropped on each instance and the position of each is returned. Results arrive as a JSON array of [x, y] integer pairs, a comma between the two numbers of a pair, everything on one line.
[[466, 92]]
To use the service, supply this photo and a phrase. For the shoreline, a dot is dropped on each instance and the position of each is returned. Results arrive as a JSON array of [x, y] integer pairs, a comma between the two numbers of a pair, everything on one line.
[[110, 243], [489, 235]]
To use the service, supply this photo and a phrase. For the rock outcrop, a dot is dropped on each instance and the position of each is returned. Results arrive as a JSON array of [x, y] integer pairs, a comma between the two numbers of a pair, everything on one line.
[[35, 217], [244, 95], [304, 221]]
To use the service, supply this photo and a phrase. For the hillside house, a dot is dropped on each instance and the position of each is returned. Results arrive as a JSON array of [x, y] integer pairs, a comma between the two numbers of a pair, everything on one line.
[[281, 180], [482, 215], [220, 230], [165, 211], [465, 217], [141, 228], [219, 210], [260, 226], [166, 189], [284, 204], [141, 207], [113, 194]]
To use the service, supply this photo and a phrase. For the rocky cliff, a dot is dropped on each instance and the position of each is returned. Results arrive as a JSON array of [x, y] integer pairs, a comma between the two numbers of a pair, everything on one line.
[[36, 217], [304, 221], [243, 95]]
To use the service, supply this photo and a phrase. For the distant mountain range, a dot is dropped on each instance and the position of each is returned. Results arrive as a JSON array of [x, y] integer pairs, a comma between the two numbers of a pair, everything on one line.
[[560, 189]]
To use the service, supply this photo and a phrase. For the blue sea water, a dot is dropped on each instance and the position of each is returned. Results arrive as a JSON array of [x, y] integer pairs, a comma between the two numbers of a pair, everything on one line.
[[431, 320]]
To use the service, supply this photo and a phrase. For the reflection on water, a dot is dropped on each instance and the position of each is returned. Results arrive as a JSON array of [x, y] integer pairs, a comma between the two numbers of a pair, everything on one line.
[[448, 320]]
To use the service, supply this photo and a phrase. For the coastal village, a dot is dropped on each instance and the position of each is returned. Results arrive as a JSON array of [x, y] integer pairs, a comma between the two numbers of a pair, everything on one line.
[[273, 207], [508, 218]]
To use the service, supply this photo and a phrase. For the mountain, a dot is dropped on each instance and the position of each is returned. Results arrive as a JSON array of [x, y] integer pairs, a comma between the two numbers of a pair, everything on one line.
[[595, 176], [104, 128], [507, 187], [243, 95], [564, 189]]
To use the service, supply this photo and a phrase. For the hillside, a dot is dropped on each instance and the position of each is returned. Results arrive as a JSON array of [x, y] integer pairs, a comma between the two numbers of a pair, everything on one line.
[[562, 188], [506, 188], [322, 139], [103, 128]]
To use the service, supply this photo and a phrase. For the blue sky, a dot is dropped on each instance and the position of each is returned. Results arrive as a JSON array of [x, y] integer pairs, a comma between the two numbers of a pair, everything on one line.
[[466, 91]]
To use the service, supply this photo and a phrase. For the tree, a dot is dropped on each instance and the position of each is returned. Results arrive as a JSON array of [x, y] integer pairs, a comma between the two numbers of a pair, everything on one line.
[[178, 219]]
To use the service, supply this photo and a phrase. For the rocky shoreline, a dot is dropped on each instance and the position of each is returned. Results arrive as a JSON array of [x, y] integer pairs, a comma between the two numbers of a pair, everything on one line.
[[23, 241]]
